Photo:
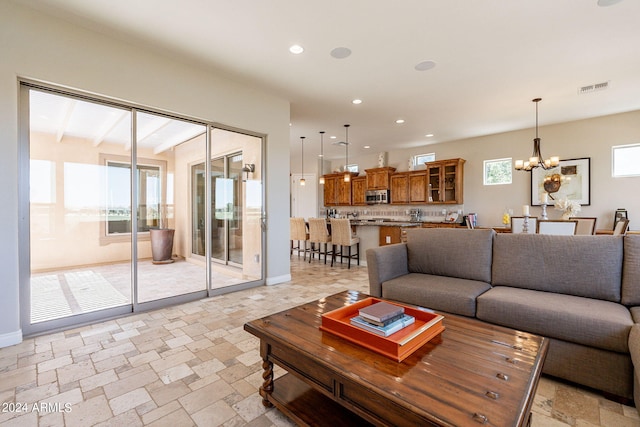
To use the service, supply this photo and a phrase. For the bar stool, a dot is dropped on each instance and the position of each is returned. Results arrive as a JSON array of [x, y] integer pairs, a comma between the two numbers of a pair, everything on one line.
[[319, 234], [298, 231], [341, 236]]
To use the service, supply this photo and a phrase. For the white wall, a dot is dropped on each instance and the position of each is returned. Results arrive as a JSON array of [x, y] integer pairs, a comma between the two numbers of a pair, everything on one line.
[[584, 138], [36, 46]]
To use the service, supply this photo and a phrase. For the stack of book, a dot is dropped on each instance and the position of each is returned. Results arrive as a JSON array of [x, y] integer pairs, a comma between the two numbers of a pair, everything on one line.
[[382, 318]]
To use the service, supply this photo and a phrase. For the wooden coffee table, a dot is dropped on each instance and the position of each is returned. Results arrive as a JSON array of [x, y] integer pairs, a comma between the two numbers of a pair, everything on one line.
[[474, 373]]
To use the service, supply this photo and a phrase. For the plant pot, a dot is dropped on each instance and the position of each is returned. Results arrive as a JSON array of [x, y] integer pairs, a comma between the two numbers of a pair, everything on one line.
[[161, 245]]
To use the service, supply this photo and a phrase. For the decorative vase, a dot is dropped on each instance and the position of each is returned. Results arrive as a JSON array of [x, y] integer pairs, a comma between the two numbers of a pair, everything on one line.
[[161, 245]]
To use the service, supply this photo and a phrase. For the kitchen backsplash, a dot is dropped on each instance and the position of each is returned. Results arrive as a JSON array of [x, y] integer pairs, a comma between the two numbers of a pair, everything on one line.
[[398, 213]]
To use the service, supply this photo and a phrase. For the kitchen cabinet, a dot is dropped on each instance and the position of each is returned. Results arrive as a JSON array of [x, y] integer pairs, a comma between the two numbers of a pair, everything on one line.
[[337, 192], [409, 187], [441, 225], [378, 178], [390, 235], [358, 189], [444, 180], [418, 187], [399, 188]]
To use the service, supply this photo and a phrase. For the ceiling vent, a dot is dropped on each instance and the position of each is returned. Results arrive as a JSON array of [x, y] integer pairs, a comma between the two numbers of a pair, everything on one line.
[[343, 143], [593, 88]]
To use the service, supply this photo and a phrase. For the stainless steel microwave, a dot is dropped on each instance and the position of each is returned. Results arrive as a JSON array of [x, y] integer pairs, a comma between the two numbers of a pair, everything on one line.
[[377, 197]]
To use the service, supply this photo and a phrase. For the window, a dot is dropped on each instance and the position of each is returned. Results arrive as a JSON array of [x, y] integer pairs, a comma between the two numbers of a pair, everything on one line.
[[420, 159], [152, 190], [626, 160], [119, 197], [497, 171], [352, 167]]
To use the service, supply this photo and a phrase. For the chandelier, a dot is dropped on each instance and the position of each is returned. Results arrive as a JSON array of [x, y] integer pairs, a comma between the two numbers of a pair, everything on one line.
[[536, 160]]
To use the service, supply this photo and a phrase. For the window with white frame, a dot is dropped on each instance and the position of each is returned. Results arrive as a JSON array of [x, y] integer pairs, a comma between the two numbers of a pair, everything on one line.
[[497, 171], [352, 167], [420, 159], [625, 160]]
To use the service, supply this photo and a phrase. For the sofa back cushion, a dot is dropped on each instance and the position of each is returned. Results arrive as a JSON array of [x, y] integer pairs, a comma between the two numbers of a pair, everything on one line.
[[631, 270], [587, 266], [461, 253]]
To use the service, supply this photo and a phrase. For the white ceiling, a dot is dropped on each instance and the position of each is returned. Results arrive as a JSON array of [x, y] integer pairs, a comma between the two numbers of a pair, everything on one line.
[[492, 58]]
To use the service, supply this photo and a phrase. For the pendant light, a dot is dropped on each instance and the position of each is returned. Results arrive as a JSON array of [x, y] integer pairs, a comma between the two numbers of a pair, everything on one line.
[[302, 180], [321, 180], [536, 159], [347, 174]]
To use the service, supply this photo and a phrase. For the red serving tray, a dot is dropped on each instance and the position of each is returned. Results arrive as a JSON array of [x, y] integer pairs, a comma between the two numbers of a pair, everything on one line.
[[397, 346]]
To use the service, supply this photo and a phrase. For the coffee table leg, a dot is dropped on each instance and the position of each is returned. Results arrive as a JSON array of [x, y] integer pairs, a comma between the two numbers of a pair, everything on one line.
[[267, 375]]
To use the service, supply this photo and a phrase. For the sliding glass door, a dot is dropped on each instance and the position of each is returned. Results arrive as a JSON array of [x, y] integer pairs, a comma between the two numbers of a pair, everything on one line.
[[122, 217]]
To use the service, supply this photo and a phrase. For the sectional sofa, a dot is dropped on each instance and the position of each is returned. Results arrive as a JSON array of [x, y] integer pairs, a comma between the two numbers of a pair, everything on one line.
[[582, 292]]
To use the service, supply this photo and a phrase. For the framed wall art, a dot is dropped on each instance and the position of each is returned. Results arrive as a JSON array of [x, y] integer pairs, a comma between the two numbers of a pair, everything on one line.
[[571, 179]]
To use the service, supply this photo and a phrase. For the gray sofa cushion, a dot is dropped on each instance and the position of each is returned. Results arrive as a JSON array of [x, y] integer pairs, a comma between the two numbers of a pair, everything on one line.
[[461, 253], [586, 321], [631, 270], [587, 266], [635, 314], [440, 293]]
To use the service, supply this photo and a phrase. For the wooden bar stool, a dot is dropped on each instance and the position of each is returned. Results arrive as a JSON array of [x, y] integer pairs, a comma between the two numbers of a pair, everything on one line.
[[298, 231], [341, 236], [318, 235]]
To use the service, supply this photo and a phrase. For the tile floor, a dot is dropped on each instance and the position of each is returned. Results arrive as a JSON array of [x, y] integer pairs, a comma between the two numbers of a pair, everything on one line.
[[193, 364]]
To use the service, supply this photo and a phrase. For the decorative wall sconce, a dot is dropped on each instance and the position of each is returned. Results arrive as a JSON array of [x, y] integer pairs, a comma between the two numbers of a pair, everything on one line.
[[248, 168]]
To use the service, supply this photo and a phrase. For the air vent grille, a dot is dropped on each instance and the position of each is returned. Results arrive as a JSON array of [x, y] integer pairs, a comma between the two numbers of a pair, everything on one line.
[[593, 88]]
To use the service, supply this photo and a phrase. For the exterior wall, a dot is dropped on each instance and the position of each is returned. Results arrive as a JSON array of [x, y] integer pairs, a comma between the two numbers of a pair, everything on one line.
[[40, 47]]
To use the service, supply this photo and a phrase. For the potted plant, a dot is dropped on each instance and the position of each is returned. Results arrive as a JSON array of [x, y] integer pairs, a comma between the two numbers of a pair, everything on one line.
[[161, 242]]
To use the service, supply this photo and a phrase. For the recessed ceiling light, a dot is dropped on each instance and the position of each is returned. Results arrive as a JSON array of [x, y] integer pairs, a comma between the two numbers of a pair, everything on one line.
[[605, 3], [341, 52], [425, 65], [367, 146], [296, 49], [400, 121], [357, 101], [333, 137], [429, 135]]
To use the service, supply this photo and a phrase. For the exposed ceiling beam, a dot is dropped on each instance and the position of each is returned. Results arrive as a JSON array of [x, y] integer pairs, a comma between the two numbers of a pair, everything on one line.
[[69, 106], [178, 139], [109, 126]]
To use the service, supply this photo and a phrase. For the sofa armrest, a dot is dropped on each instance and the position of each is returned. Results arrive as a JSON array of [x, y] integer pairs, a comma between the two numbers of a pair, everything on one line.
[[635, 314], [386, 263], [634, 349]]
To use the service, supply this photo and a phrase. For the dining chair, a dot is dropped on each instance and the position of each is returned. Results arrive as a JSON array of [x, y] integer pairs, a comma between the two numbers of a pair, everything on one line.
[[586, 225], [298, 231], [557, 227], [517, 223], [621, 227], [319, 235], [341, 235]]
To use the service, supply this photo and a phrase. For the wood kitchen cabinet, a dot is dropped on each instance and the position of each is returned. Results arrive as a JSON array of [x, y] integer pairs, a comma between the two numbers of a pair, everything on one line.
[[409, 187], [358, 190], [337, 192], [389, 235], [378, 178], [399, 188], [418, 187], [444, 181]]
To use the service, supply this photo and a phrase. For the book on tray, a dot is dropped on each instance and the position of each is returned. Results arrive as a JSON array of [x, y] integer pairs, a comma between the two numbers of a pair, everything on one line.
[[386, 330], [381, 312]]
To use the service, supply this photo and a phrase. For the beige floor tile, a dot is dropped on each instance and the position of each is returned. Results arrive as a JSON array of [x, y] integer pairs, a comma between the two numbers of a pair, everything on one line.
[[174, 419], [129, 400], [215, 414], [130, 383], [89, 412], [205, 396]]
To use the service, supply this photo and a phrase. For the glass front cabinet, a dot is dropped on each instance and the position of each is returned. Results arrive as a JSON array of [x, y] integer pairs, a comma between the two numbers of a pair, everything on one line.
[[445, 178]]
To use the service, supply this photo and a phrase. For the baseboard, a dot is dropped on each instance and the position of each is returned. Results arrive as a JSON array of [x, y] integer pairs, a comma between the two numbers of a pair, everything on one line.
[[12, 338], [278, 279]]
